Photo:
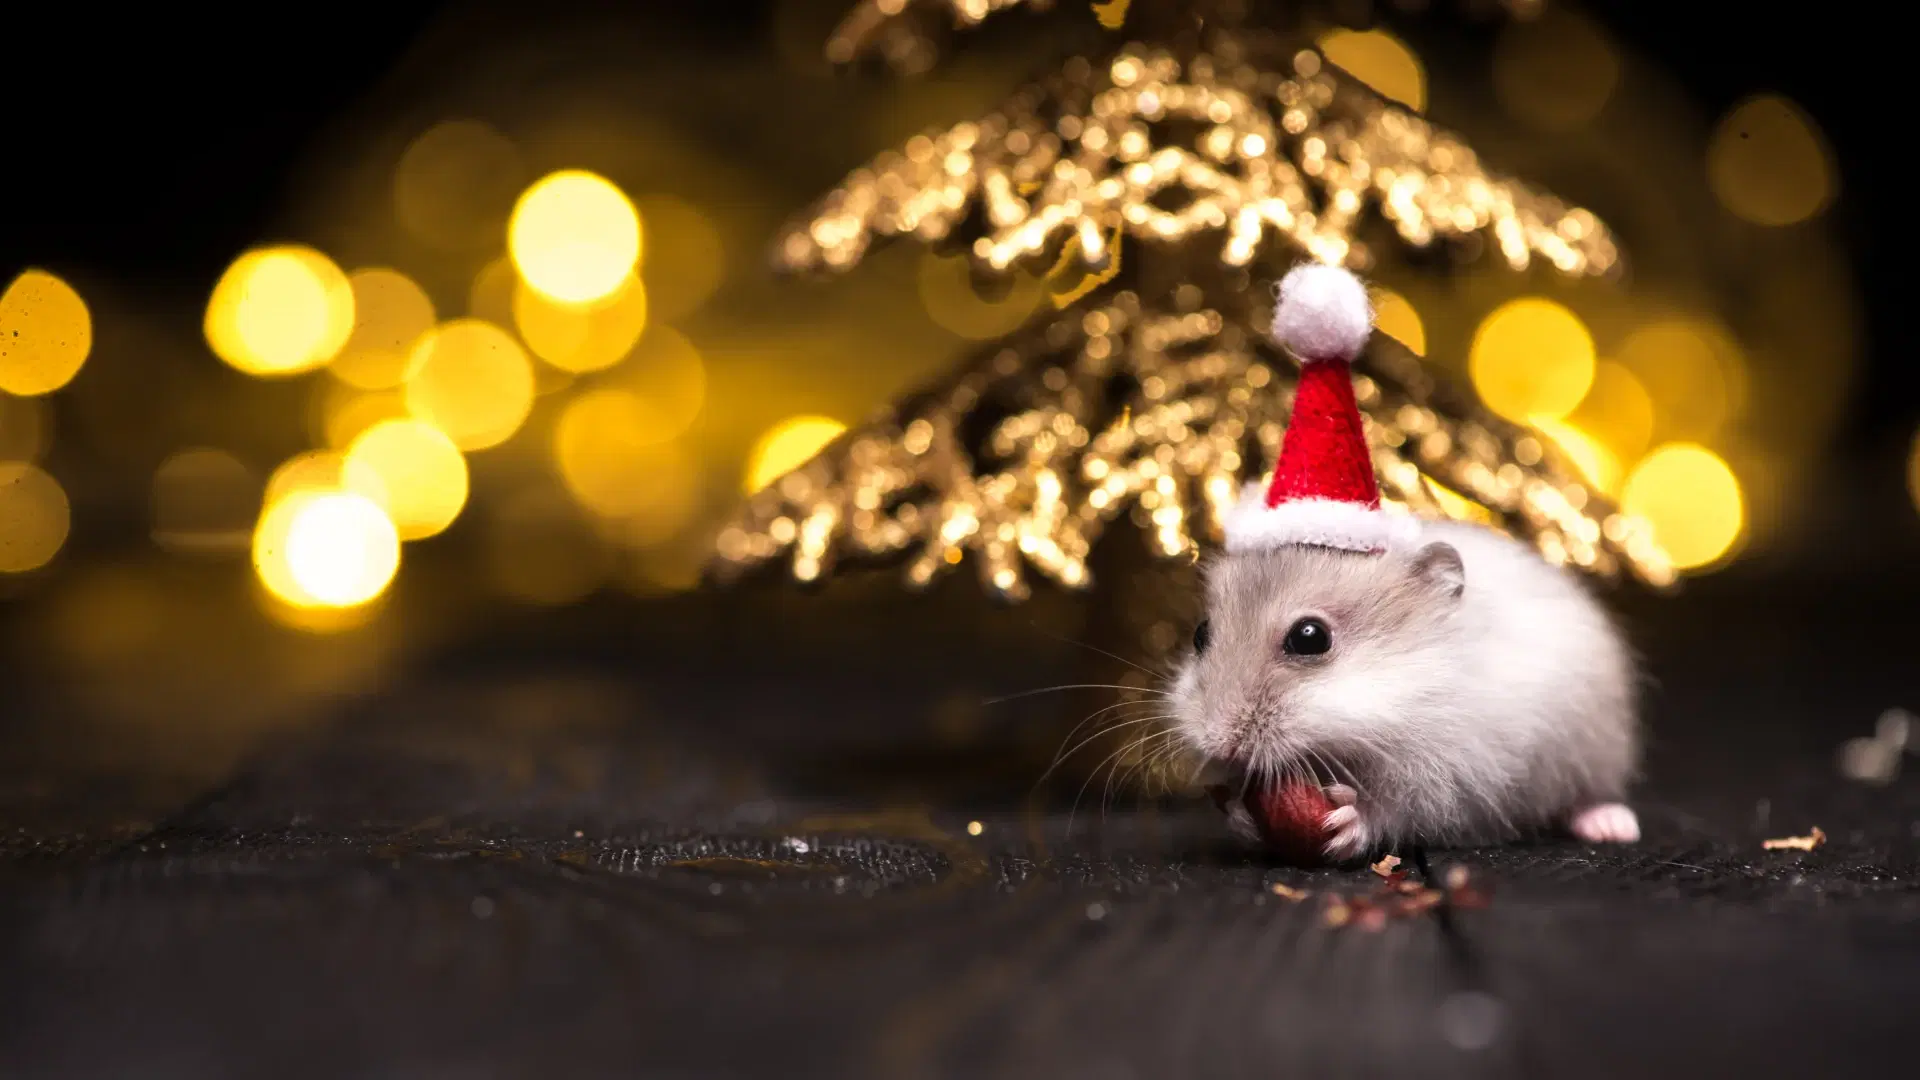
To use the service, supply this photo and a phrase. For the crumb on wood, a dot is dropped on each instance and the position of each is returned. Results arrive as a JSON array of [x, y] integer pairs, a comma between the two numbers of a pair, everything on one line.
[[1386, 864], [1339, 912], [1288, 892], [1813, 839]]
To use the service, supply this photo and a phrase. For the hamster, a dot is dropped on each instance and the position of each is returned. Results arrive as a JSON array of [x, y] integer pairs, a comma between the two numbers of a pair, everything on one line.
[[1454, 690]]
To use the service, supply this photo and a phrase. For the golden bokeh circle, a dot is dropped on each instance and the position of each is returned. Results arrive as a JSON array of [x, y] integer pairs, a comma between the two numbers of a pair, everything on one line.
[[456, 183], [280, 311], [423, 476], [46, 333], [35, 517], [471, 379], [1555, 72], [1532, 358], [391, 312], [1768, 163], [786, 446], [1692, 500], [1380, 60], [574, 237]]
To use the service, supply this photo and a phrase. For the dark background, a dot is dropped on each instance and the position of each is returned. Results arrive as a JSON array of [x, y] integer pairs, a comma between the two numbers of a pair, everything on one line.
[[317, 907]]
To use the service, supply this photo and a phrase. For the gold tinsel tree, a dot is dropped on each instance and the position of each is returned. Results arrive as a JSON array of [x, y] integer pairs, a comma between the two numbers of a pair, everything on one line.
[[1162, 187]]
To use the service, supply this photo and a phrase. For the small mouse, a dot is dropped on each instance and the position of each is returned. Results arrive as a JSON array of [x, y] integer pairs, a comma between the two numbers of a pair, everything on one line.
[[1439, 680]]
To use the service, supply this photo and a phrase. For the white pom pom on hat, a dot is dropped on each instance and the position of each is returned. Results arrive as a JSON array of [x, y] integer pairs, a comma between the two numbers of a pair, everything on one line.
[[1323, 313]]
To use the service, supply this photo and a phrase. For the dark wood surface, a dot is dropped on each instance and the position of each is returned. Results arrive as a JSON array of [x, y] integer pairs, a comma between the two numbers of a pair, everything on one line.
[[720, 842]]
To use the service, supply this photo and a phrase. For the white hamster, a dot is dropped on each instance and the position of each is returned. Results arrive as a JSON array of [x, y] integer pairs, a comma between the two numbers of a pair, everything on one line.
[[1455, 690]]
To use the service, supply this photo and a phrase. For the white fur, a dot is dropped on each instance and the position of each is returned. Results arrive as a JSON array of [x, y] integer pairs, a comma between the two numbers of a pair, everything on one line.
[[1461, 720], [1253, 526], [1323, 313]]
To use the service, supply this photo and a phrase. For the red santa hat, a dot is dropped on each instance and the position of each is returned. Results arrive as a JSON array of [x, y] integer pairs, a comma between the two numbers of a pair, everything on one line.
[[1323, 493]]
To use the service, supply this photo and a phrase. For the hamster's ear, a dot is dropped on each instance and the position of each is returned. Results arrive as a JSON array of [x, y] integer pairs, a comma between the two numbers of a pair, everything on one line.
[[1439, 567]]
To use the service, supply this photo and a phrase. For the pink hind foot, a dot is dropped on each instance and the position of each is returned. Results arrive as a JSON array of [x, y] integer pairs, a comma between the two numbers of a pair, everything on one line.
[[1606, 823]]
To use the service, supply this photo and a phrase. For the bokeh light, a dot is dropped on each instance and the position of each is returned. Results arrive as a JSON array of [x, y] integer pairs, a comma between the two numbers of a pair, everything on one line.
[[1694, 373], [686, 261], [1556, 71], [326, 549], [666, 371], [1692, 500], [390, 313], [320, 470], [1768, 163], [343, 412], [574, 237], [26, 427], [471, 380], [205, 501], [580, 338], [1913, 471], [614, 462], [1596, 461], [280, 311], [45, 334], [539, 548], [786, 446], [1396, 318], [455, 185], [422, 474], [34, 517], [1381, 61], [1617, 412], [947, 292], [1531, 358]]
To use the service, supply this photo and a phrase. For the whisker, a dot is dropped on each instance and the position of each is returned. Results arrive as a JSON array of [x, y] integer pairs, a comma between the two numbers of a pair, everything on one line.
[[1060, 759], [1075, 686], [1111, 655]]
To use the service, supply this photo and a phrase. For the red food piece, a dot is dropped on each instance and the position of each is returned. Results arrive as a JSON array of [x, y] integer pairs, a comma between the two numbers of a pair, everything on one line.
[[1292, 820]]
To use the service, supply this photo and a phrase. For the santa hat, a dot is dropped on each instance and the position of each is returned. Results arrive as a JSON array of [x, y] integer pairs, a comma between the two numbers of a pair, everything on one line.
[[1323, 493]]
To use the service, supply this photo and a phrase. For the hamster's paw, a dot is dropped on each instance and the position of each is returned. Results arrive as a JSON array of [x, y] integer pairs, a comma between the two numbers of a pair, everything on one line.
[[1606, 823], [1351, 838]]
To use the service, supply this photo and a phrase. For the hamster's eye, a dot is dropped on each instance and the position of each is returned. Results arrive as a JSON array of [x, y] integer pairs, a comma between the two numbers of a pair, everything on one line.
[[1308, 637], [1202, 637]]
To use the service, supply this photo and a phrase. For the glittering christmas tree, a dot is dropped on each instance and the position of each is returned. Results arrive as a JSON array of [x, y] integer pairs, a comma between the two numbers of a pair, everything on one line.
[[1160, 188]]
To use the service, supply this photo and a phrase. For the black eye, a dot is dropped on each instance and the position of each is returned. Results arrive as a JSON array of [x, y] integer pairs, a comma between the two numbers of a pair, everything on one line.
[[1309, 637], [1202, 636]]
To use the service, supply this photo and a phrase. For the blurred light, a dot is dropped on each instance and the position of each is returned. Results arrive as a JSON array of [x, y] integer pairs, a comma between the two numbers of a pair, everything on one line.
[[1691, 499], [946, 290], [421, 473], [491, 297], [390, 313], [320, 471], [1617, 412], [1693, 372], [1913, 471], [666, 371], [787, 446], [34, 517], [1396, 318], [456, 183], [581, 338], [1598, 464], [540, 549], [614, 463], [25, 428], [205, 501], [1530, 358], [346, 412], [1381, 61], [280, 311], [471, 380], [574, 237], [326, 549], [1768, 163], [45, 334], [1555, 72], [686, 261]]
